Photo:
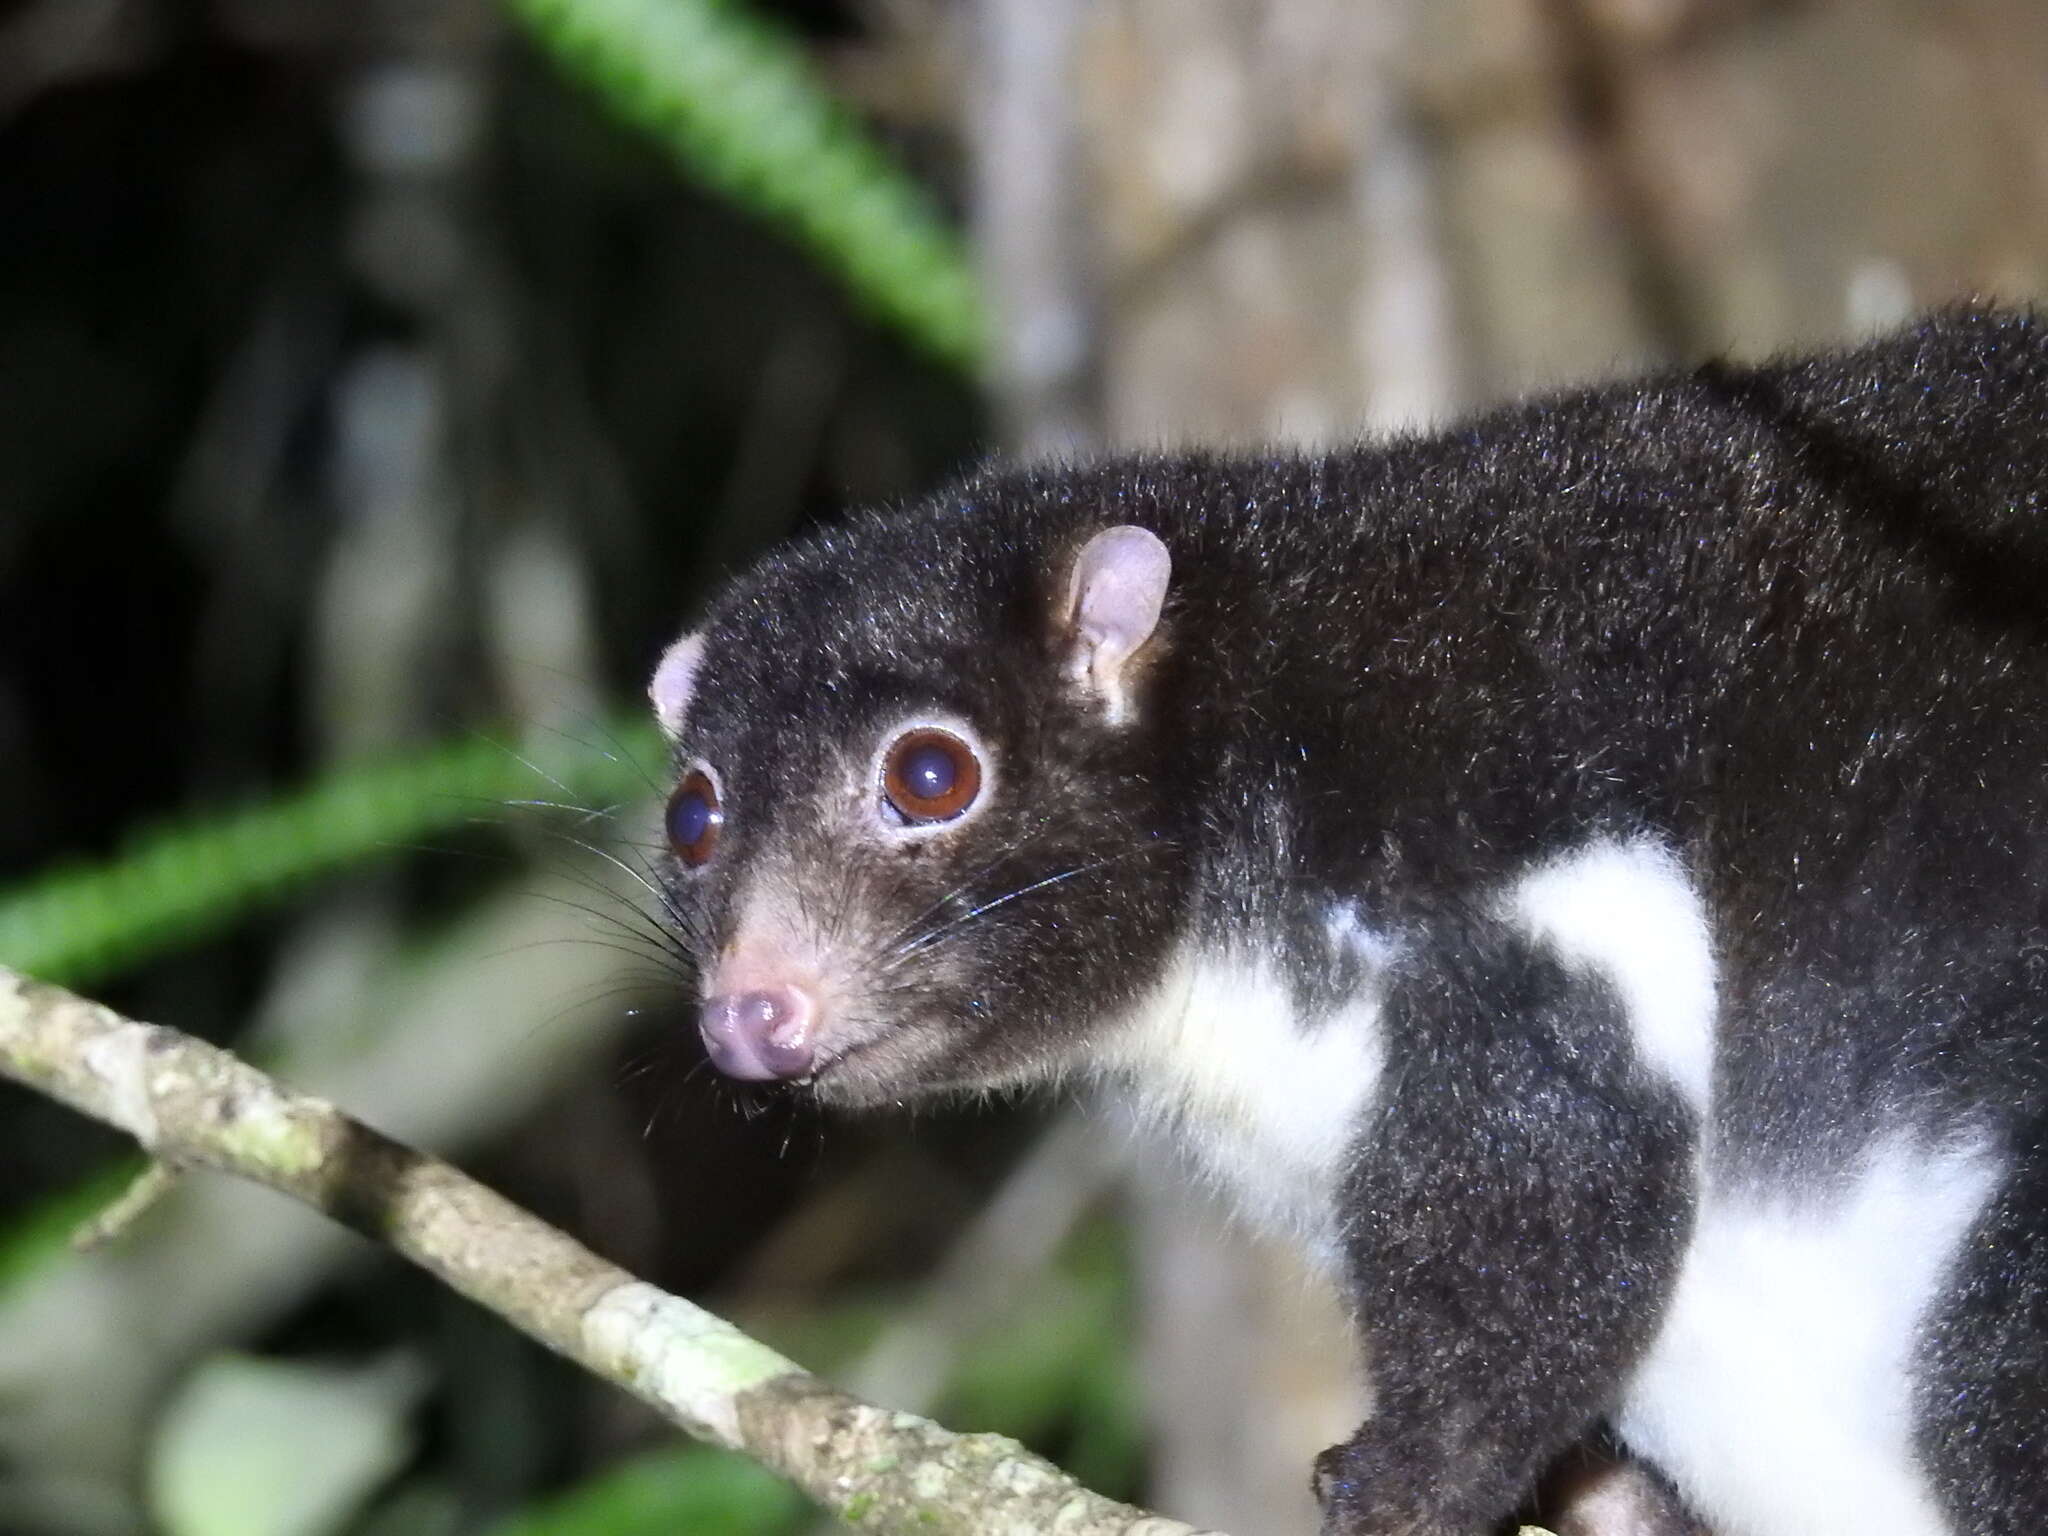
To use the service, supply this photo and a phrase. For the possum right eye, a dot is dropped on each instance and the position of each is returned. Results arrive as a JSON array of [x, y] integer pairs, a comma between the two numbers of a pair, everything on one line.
[[694, 818], [930, 775]]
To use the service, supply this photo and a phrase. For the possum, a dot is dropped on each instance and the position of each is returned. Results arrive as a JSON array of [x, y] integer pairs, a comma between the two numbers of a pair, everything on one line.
[[1581, 872]]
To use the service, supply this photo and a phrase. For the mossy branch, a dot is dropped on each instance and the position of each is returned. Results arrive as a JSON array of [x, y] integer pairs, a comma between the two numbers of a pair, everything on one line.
[[192, 1105]]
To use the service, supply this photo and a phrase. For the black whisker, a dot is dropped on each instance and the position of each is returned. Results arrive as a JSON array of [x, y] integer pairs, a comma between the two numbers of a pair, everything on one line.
[[925, 941], [520, 758], [668, 936], [654, 939], [950, 895], [617, 752], [583, 813]]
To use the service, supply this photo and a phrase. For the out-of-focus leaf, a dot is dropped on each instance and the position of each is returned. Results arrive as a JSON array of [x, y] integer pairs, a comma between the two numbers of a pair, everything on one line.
[[271, 1448], [690, 1489], [737, 103], [46, 1229], [423, 1507], [1062, 1362], [180, 883]]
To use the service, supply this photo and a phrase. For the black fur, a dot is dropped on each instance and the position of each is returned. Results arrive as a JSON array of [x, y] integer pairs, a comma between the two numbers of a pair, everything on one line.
[[1789, 621]]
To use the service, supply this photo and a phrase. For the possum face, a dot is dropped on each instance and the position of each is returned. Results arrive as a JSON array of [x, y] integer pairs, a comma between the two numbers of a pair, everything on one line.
[[917, 836]]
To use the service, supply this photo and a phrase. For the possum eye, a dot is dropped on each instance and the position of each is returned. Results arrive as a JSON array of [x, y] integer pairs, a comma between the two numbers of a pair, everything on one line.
[[930, 775], [694, 818]]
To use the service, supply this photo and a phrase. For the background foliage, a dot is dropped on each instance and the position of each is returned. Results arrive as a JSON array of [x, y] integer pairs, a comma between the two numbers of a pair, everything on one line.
[[373, 411]]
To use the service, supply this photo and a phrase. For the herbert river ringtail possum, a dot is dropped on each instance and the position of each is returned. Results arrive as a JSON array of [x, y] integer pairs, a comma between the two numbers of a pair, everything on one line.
[[1584, 872]]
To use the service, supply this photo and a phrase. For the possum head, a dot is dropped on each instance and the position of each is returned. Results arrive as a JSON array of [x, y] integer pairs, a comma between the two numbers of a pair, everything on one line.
[[918, 836]]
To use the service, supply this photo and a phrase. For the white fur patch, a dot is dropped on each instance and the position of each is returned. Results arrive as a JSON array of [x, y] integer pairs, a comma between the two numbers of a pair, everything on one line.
[[1349, 932], [1777, 1395], [1627, 911], [1267, 1105]]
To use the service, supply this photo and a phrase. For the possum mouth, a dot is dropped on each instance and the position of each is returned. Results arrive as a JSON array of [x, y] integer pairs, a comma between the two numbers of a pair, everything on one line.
[[827, 1069], [886, 1068], [849, 1074]]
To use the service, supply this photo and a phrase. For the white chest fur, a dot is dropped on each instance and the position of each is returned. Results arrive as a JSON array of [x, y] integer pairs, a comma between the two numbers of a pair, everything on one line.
[[1265, 1103], [1628, 912], [1268, 1103], [1779, 1393]]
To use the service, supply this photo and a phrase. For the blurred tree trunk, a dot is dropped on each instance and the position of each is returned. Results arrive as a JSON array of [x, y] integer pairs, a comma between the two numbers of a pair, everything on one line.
[[1302, 221]]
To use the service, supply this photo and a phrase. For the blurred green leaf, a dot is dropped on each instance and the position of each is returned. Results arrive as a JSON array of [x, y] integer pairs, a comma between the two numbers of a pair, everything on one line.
[[1060, 1368], [737, 103], [252, 1447], [180, 883], [422, 1507], [46, 1229], [692, 1489]]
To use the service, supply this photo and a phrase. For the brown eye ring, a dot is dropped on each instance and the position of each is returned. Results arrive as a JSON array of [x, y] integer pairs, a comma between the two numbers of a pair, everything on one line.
[[693, 818], [930, 775]]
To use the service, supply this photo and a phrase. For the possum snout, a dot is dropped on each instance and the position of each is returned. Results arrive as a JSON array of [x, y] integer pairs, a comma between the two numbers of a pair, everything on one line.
[[798, 989], [761, 1036], [767, 1004]]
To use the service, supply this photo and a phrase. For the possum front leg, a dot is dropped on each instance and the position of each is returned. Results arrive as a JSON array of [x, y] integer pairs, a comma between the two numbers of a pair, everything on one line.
[[1513, 1219]]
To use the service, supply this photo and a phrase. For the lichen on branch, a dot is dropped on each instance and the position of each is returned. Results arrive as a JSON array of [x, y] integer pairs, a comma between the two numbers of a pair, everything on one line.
[[192, 1105]]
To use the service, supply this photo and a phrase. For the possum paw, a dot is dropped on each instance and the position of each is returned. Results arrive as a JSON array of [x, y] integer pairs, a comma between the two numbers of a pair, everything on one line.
[[1359, 1500]]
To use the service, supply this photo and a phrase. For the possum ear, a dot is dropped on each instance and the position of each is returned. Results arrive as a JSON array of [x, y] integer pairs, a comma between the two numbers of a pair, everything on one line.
[[1113, 599], [673, 681]]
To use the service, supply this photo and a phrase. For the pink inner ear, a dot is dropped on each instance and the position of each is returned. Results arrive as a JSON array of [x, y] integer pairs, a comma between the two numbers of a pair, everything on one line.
[[1118, 587], [673, 682]]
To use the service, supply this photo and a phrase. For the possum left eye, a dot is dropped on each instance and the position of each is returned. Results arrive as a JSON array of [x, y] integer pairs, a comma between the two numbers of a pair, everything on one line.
[[694, 819], [930, 775]]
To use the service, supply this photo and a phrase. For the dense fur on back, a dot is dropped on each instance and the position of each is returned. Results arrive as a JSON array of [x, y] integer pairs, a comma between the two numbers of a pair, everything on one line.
[[1752, 659]]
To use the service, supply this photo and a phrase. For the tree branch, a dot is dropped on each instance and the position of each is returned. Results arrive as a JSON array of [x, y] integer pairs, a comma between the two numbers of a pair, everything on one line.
[[192, 1105]]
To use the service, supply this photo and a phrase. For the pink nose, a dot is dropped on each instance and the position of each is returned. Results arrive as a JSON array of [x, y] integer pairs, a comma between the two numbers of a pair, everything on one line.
[[762, 1035]]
